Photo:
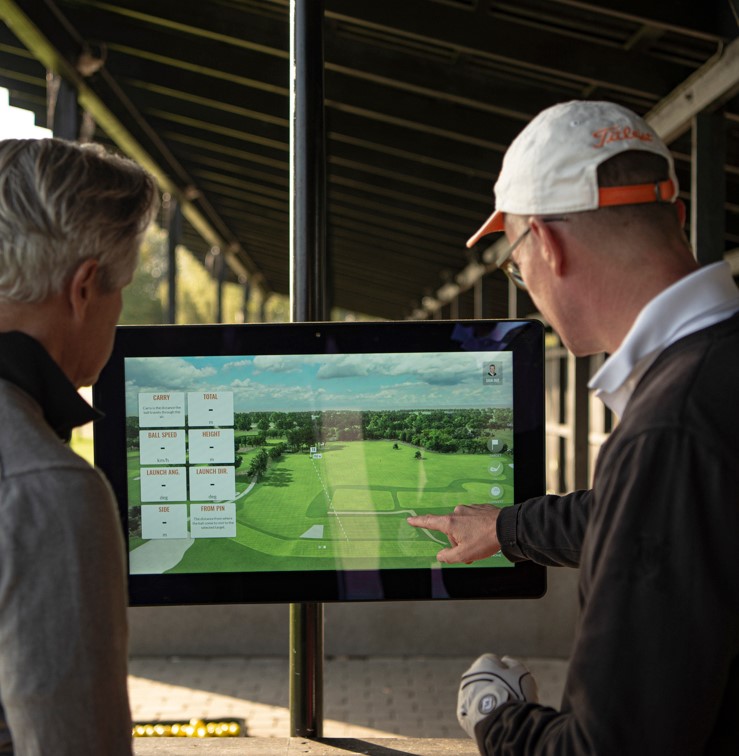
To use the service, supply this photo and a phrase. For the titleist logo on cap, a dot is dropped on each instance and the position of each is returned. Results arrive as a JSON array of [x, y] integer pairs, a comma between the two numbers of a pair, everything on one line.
[[616, 134]]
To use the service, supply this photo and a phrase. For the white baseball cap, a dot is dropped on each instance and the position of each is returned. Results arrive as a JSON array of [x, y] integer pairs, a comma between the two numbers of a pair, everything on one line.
[[551, 166]]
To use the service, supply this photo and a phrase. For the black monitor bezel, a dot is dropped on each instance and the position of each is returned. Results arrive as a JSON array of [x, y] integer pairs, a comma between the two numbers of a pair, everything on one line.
[[522, 580]]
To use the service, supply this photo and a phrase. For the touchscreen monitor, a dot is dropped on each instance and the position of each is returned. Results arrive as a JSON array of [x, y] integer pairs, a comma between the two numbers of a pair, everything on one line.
[[279, 462]]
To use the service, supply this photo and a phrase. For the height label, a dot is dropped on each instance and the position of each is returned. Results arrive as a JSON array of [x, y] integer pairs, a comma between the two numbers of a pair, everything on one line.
[[211, 446]]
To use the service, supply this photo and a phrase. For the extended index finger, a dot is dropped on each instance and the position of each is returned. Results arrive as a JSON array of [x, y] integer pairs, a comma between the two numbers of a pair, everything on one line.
[[433, 522]]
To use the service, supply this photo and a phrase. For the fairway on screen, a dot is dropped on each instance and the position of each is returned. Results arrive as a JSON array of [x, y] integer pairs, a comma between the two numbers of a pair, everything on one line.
[[269, 464]]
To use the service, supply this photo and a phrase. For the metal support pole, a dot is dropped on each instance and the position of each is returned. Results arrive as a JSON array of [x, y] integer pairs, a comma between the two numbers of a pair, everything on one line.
[[246, 288], [512, 300], [308, 290], [578, 421], [466, 305], [306, 670], [220, 274], [62, 113], [308, 301], [482, 297], [708, 190], [174, 232]]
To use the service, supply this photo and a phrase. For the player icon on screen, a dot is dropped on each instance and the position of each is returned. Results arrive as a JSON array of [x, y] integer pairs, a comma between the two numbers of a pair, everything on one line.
[[492, 373]]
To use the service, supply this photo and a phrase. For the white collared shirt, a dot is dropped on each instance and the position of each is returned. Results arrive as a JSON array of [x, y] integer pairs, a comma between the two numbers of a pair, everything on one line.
[[697, 301]]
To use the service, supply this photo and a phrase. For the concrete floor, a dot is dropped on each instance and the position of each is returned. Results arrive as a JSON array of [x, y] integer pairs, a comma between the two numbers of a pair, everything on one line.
[[374, 697]]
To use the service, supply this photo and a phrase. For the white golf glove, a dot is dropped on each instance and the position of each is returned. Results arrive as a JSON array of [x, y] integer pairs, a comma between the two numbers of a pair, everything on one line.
[[487, 684]]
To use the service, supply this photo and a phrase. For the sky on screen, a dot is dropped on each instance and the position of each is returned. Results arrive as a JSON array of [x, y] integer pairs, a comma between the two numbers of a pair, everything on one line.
[[341, 382]]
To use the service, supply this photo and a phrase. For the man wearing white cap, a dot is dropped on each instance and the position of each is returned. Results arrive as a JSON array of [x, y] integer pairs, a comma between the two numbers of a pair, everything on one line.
[[588, 198]]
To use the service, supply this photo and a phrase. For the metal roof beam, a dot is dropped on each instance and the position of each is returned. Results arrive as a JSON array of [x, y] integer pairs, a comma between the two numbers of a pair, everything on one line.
[[707, 89], [703, 20], [585, 61], [452, 80], [201, 20]]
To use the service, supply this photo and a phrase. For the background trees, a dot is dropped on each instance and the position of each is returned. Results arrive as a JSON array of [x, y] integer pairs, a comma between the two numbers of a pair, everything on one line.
[[258, 465]]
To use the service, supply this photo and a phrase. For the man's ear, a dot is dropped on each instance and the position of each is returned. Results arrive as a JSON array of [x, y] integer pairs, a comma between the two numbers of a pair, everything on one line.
[[82, 286], [552, 248]]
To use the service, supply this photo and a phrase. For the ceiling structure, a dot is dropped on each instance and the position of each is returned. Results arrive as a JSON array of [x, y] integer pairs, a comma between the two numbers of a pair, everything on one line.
[[422, 98]]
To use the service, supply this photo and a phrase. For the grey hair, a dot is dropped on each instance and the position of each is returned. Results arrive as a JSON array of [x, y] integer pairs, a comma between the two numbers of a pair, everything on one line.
[[61, 204]]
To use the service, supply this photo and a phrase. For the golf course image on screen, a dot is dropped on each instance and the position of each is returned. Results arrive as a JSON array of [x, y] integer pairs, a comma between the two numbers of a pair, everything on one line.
[[310, 462]]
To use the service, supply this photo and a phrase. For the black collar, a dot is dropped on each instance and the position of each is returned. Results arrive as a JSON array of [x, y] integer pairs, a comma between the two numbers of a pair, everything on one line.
[[25, 363]]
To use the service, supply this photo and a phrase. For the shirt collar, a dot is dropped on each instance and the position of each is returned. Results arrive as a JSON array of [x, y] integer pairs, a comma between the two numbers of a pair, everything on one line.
[[26, 364], [697, 301]]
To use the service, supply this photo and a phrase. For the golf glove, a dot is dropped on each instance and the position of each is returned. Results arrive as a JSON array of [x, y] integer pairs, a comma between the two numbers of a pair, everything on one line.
[[487, 684]]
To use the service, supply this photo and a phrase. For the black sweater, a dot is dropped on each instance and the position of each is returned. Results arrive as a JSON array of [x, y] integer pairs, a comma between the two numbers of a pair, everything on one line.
[[655, 667]]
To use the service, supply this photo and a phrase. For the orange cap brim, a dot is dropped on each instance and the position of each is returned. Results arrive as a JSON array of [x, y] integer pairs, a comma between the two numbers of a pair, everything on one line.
[[492, 224]]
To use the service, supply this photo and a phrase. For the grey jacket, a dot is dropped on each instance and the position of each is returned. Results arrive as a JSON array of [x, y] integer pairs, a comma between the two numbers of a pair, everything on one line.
[[63, 628]]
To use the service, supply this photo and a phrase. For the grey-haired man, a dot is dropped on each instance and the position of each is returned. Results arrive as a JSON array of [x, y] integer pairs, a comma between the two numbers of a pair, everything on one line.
[[71, 220]]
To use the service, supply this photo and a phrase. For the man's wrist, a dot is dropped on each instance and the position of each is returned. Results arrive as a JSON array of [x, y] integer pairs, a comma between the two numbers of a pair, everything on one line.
[[507, 530], [482, 727]]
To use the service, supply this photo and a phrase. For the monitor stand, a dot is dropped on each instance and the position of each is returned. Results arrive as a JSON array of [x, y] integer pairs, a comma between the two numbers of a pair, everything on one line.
[[306, 670]]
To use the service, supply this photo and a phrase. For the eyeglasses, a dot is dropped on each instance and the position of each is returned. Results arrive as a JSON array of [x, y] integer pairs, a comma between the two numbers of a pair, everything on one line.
[[509, 266]]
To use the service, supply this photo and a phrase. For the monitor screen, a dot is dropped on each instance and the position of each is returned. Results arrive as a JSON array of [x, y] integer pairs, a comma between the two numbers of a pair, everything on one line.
[[279, 462]]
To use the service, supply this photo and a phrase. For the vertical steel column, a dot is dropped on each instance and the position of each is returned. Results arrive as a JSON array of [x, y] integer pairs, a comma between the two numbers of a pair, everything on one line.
[[308, 289], [246, 289], [578, 422], [482, 297], [174, 232], [62, 113], [308, 301], [306, 670], [512, 300], [220, 275], [708, 190]]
